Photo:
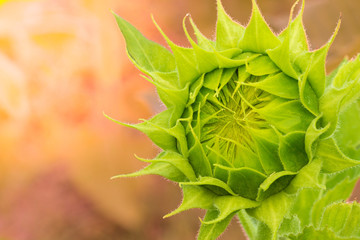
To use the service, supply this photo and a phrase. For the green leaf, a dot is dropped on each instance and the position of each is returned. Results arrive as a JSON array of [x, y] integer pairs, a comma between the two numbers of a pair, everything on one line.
[[340, 192], [270, 213], [290, 225], [213, 231], [258, 37], [333, 159], [254, 229], [347, 133], [311, 201], [302, 209], [228, 32], [310, 234], [343, 219], [340, 221]]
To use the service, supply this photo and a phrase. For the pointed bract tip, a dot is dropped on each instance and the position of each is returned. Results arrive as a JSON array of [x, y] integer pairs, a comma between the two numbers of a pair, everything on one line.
[[336, 31], [115, 177], [167, 39], [219, 4], [255, 5], [187, 34], [293, 9], [141, 159], [118, 122]]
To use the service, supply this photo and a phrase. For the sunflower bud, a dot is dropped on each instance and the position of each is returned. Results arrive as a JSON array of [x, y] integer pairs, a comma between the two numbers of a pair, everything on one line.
[[249, 116]]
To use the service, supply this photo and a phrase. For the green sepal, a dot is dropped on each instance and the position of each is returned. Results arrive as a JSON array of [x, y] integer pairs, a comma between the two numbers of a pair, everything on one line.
[[286, 116], [213, 231], [274, 183], [194, 197], [244, 181], [296, 34], [258, 37], [245, 157], [291, 151], [173, 98], [159, 132], [197, 155], [313, 133], [267, 148], [147, 55], [228, 32], [166, 137], [281, 55], [202, 41], [175, 159], [261, 66], [348, 72], [308, 96], [333, 159], [333, 101], [316, 72], [195, 89], [253, 227], [213, 184], [205, 60], [161, 168], [228, 205], [279, 85], [307, 177]]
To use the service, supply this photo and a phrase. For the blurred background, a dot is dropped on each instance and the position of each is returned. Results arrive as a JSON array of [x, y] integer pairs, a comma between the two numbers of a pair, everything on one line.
[[62, 64]]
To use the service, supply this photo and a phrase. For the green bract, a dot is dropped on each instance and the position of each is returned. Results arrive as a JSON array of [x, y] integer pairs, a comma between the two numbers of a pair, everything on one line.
[[251, 121]]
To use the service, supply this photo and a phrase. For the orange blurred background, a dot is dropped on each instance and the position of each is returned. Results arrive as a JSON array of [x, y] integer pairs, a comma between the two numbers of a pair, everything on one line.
[[62, 64]]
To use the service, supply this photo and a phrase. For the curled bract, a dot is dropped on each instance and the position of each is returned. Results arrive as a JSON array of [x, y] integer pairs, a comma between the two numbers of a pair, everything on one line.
[[250, 115]]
